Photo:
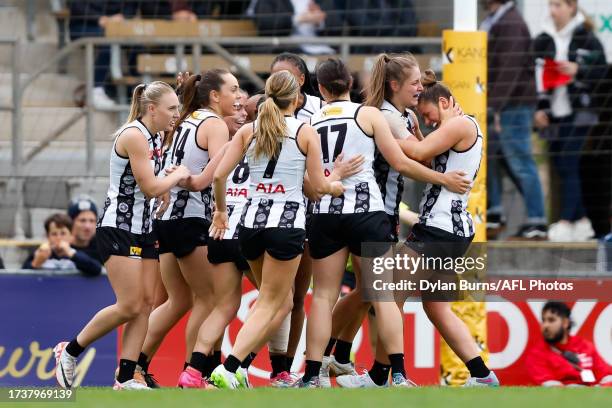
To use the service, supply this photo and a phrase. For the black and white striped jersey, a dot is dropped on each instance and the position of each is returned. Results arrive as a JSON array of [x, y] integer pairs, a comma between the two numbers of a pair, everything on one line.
[[186, 151], [311, 105], [126, 207], [336, 124], [390, 181], [275, 190], [236, 196], [442, 208]]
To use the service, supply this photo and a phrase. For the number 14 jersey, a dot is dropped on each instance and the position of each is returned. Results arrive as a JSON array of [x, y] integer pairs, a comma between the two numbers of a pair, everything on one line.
[[336, 124]]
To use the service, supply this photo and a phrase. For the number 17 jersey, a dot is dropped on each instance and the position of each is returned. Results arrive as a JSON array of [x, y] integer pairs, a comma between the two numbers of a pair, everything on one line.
[[339, 132]]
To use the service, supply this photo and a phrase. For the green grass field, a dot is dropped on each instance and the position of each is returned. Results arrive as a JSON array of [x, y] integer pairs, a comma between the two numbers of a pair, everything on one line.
[[515, 397]]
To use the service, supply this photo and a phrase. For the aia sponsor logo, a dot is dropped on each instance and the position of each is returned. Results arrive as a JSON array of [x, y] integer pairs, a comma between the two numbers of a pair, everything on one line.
[[270, 188]]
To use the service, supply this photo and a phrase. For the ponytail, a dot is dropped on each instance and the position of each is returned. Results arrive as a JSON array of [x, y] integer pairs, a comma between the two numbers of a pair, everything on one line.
[[135, 112], [282, 89], [433, 89], [194, 94], [375, 91]]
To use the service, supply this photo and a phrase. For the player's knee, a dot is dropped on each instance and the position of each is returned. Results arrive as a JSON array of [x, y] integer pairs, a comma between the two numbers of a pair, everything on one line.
[[130, 310]]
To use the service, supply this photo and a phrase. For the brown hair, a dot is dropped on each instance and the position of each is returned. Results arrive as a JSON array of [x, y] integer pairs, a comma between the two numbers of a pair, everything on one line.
[[60, 220], [387, 68], [145, 95], [588, 22], [282, 89], [194, 94], [433, 89], [334, 75]]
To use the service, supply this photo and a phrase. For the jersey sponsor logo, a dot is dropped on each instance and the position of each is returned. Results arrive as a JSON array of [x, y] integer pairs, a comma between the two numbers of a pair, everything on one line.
[[237, 192], [271, 188], [332, 110], [135, 251]]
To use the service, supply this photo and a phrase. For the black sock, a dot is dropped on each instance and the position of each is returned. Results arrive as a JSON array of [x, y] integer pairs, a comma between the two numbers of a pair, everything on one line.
[[342, 352], [74, 348], [279, 364], [329, 347], [210, 366], [477, 367], [289, 363], [200, 362], [143, 362], [312, 370], [248, 360], [126, 370], [185, 365], [216, 358], [379, 373], [231, 363], [397, 363]]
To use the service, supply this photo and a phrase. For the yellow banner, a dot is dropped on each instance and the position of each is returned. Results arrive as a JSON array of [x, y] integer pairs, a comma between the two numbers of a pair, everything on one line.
[[465, 73]]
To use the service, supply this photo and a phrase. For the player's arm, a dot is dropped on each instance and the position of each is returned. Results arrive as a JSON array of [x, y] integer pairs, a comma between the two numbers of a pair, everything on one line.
[[447, 136], [201, 181], [132, 143], [373, 120], [212, 135]]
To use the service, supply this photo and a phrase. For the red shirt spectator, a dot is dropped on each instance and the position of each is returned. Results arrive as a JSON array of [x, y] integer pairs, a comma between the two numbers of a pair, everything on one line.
[[561, 359]]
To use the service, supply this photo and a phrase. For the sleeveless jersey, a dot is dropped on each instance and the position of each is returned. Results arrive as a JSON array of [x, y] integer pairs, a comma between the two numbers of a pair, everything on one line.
[[311, 105], [442, 208], [126, 207], [236, 196], [275, 190], [337, 126], [390, 181], [186, 151]]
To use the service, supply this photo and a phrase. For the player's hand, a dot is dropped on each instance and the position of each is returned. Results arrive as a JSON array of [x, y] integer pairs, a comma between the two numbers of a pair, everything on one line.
[[181, 172], [336, 188], [219, 225], [344, 169], [452, 110], [163, 202], [456, 182]]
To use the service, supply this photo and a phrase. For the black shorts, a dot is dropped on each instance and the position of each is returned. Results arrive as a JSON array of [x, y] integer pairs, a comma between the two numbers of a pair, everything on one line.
[[283, 244], [395, 228], [115, 241], [181, 236], [226, 250], [329, 233], [435, 242]]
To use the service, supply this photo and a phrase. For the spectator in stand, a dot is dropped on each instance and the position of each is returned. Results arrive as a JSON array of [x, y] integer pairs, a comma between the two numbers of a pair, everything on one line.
[[378, 18], [304, 18], [560, 359], [511, 97], [226, 9], [84, 215], [56, 253], [89, 18], [568, 51]]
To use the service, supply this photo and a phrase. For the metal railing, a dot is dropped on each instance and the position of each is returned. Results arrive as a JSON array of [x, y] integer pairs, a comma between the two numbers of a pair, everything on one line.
[[214, 45]]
